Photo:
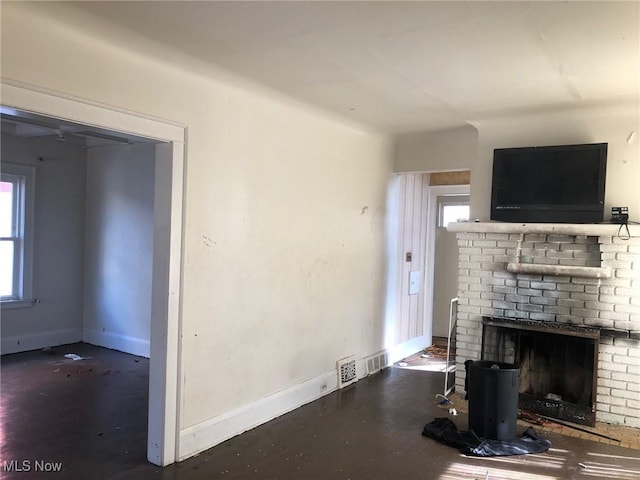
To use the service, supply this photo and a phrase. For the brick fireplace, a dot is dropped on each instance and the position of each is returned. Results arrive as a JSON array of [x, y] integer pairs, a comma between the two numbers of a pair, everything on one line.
[[558, 364], [583, 278]]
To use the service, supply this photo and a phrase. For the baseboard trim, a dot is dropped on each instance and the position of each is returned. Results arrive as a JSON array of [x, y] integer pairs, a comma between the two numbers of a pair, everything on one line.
[[407, 348], [209, 433], [115, 341], [35, 341]]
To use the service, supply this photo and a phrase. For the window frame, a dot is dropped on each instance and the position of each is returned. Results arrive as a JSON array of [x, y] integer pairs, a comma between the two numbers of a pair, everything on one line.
[[23, 179], [450, 200]]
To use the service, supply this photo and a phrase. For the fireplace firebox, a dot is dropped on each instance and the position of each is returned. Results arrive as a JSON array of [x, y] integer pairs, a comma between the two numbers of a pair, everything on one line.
[[557, 361]]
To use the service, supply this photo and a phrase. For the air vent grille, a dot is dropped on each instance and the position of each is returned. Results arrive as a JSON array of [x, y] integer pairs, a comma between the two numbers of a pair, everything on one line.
[[377, 362], [346, 371]]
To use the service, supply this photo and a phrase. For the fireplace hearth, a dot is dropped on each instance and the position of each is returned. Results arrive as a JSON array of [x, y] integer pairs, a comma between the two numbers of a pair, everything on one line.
[[557, 365]]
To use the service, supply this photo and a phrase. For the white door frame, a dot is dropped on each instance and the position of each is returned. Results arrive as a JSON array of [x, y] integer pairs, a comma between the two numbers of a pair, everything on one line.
[[164, 366], [432, 217]]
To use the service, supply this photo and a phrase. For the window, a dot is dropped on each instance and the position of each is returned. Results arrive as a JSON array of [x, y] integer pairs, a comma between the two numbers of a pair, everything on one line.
[[16, 234], [452, 208]]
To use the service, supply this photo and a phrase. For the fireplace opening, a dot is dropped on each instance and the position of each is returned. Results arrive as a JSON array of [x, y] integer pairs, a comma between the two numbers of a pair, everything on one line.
[[557, 361]]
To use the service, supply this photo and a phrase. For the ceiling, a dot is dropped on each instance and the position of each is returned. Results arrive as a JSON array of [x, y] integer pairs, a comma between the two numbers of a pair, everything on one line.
[[407, 66]]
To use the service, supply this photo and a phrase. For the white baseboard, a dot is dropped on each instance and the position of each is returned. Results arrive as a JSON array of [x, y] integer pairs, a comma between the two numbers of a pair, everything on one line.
[[204, 435], [35, 341], [115, 341], [209, 433], [407, 348]]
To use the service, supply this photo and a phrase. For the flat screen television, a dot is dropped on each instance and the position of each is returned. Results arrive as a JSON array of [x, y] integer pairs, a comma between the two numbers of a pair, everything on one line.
[[555, 184]]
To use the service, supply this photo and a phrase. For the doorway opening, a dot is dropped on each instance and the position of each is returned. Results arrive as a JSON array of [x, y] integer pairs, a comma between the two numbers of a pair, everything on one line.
[[451, 207], [448, 202], [165, 232]]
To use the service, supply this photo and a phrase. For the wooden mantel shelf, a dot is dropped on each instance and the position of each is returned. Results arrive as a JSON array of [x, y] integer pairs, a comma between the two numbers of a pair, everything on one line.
[[594, 230]]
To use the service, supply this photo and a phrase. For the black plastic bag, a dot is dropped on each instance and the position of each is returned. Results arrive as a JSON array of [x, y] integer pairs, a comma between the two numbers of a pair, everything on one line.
[[445, 431]]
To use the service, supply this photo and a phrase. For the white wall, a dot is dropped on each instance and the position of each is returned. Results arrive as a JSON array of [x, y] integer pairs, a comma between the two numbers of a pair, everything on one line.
[[283, 267], [612, 124], [472, 147], [446, 150], [119, 247], [453, 149], [58, 246]]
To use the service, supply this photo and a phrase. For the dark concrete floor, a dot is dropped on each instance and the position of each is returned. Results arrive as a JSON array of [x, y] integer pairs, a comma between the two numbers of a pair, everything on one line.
[[90, 415]]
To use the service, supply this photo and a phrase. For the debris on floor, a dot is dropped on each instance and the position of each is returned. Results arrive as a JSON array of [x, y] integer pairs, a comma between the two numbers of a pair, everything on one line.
[[532, 418], [579, 428], [443, 401], [435, 351], [609, 469], [74, 357]]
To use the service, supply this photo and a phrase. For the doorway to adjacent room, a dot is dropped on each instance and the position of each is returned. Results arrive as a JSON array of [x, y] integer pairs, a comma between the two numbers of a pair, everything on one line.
[[166, 237]]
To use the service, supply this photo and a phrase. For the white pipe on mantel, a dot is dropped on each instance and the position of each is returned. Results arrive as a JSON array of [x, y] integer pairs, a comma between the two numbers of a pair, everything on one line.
[[587, 229], [565, 270]]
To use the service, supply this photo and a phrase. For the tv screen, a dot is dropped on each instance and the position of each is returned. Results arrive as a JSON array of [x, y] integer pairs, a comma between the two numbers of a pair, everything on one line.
[[555, 184]]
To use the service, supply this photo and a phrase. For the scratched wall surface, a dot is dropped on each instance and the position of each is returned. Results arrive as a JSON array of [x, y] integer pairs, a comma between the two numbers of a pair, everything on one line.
[[283, 267]]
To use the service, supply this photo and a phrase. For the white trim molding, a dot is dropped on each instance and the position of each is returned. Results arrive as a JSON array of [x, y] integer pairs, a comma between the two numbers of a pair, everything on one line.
[[164, 365], [23, 178], [41, 101], [432, 221], [214, 431], [115, 341], [207, 434], [36, 341]]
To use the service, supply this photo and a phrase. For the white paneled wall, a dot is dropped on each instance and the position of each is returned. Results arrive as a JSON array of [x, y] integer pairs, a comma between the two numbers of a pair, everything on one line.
[[411, 241]]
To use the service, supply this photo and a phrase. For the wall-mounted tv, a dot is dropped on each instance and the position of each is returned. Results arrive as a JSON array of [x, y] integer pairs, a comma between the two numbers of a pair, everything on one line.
[[555, 184]]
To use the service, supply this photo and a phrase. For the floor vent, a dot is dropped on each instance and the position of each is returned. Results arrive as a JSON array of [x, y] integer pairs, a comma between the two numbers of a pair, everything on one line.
[[346, 371], [377, 362]]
